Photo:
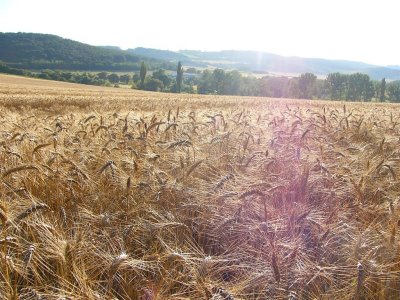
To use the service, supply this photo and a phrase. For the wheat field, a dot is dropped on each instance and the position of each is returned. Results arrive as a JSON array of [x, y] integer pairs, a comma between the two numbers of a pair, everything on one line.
[[120, 194]]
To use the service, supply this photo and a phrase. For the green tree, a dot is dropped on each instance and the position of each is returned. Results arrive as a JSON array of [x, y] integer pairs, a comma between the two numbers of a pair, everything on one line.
[[359, 87], [102, 75], [393, 89], [163, 76], [232, 83], [113, 78], [336, 85], [250, 86], [368, 92], [125, 78], [206, 83], [179, 77], [143, 71], [293, 88], [219, 78], [154, 85], [271, 86], [67, 76], [382, 90], [321, 91], [307, 85], [192, 70], [136, 78]]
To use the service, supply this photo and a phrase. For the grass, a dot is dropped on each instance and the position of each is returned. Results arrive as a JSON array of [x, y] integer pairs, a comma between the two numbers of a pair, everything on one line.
[[120, 194]]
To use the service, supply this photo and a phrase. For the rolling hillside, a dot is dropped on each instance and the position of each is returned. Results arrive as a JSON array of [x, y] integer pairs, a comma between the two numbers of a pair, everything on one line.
[[44, 51], [261, 62]]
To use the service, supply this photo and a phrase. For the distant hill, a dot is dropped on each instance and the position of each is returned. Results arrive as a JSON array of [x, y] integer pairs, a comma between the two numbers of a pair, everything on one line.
[[111, 47], [253, 61], [45, 51], [394, 67], [158, 54]]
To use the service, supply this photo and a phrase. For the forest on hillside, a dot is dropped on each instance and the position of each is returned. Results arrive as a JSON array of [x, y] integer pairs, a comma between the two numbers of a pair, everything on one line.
[[44, 51]]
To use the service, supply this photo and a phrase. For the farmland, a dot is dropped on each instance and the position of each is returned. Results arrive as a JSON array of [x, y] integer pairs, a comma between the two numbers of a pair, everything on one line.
[[121, 194]]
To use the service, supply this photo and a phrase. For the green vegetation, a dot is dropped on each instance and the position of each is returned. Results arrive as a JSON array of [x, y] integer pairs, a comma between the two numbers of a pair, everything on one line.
[[336, 86], [8, 70], [44, 51], [179, 77], [382, 90], [348, 87], [52, 57], [143, 71], [261, 63], [393, 90]]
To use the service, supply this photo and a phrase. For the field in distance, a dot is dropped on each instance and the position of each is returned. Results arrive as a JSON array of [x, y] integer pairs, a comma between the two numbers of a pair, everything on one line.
[[120, 194]]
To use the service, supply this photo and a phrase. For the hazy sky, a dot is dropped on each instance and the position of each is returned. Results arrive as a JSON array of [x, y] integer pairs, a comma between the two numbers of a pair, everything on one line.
[[335, 29]]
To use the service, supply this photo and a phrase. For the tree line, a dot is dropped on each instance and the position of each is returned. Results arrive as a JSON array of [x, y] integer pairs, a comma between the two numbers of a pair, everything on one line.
[[336, 86]]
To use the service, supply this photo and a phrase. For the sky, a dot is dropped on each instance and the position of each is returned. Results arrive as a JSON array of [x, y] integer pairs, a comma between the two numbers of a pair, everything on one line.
[[334, 29]]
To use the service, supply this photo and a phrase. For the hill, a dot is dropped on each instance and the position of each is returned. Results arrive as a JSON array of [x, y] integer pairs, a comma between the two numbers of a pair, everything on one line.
[[45, 51], [262, 62]]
